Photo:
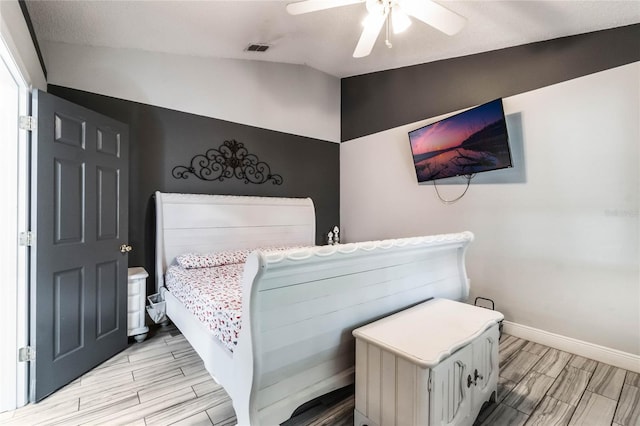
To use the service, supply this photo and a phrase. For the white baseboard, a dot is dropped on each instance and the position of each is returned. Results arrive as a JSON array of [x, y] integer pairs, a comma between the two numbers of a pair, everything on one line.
[[588, 350]]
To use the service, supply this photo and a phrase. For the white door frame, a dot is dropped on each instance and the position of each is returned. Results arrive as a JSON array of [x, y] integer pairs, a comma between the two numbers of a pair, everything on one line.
[[14, 263]]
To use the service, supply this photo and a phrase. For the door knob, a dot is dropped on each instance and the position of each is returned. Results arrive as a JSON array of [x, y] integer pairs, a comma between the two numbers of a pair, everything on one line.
[[125, 248]]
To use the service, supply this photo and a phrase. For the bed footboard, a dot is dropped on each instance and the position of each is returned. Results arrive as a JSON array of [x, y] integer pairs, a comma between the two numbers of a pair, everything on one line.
[[301, 306]]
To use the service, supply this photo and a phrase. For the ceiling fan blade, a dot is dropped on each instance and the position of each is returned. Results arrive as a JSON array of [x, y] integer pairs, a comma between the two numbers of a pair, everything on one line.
[[369, 34], [431, 13], [307, 6]]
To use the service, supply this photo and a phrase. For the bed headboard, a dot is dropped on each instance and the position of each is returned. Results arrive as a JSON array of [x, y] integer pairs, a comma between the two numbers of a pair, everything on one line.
[[200, 223]]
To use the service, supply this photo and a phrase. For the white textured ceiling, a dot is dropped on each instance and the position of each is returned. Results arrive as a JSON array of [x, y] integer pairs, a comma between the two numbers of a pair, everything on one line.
[[323, 40]]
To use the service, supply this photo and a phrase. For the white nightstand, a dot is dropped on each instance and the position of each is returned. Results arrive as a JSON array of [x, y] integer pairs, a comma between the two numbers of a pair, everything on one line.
[[136, 300], [433, 364]]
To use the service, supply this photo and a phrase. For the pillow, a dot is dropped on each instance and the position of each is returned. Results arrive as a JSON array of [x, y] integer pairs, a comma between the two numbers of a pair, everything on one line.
[[211, 260], [221, 258]]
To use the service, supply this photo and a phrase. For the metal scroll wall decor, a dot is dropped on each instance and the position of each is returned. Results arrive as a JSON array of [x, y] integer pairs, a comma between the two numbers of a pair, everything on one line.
[[229, 160]]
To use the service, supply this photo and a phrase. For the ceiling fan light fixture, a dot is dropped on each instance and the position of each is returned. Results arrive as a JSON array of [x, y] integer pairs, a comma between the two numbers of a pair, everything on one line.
[[402, 14], [399, 20]]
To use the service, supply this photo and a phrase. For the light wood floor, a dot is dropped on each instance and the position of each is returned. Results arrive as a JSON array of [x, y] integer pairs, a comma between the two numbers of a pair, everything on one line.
[[162, 381]]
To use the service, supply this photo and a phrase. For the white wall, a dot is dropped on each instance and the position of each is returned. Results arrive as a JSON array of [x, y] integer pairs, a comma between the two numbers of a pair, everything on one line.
[[557, 251], [288, 98], [15, 34]]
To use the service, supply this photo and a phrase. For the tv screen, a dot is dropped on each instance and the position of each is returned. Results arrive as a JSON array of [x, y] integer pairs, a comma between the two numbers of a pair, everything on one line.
[[470, 142]]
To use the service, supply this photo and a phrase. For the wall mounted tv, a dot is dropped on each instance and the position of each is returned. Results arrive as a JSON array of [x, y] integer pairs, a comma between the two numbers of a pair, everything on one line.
[[470, 142]]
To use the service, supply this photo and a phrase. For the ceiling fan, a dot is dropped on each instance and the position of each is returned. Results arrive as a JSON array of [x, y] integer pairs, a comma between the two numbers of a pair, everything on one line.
[[384, 11]]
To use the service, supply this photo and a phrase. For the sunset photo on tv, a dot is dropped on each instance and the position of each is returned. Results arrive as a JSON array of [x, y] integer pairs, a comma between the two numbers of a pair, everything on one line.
[[470, 142]]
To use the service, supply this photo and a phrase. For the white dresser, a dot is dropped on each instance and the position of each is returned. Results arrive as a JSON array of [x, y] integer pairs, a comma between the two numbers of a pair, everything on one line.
[[433, 364], [137, 290]]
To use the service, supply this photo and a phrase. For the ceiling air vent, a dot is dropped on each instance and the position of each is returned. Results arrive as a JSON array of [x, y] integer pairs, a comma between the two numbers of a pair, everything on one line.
[[257, 47]]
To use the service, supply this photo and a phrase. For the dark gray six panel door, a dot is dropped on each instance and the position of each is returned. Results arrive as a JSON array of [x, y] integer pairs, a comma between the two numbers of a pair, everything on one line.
[[78, 298]]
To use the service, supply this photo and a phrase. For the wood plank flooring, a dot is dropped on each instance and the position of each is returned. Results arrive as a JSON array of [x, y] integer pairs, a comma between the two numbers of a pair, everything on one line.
[[544, 386], [162, 381]]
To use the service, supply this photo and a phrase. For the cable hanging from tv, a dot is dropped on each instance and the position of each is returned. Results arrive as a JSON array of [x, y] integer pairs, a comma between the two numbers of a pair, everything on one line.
[[473, 141], [468, 177]]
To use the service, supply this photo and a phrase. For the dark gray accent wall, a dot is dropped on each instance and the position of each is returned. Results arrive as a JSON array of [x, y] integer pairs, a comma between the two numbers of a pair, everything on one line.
[[383, 100], [161, 139]]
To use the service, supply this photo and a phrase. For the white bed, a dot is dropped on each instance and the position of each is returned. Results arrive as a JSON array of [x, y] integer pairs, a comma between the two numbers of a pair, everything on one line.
[[299, 306]]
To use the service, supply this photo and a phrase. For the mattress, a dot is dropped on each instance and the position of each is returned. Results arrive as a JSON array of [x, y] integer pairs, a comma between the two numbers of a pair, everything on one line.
[[213, 295]]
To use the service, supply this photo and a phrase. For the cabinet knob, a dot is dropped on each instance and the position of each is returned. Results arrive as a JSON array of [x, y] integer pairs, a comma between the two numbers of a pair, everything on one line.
[[477, 376], [125, 248]]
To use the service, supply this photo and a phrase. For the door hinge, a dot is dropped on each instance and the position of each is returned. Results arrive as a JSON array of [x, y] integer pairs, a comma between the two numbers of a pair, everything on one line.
[[26, 354], [429, 384], [25, 238], [27, 122]]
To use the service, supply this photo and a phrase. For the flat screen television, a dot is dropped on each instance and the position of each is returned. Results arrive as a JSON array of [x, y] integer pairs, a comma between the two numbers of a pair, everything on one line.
[[466, 143]]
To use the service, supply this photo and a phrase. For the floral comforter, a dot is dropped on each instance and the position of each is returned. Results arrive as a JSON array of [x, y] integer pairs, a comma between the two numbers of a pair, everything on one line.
[[213, 295]]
